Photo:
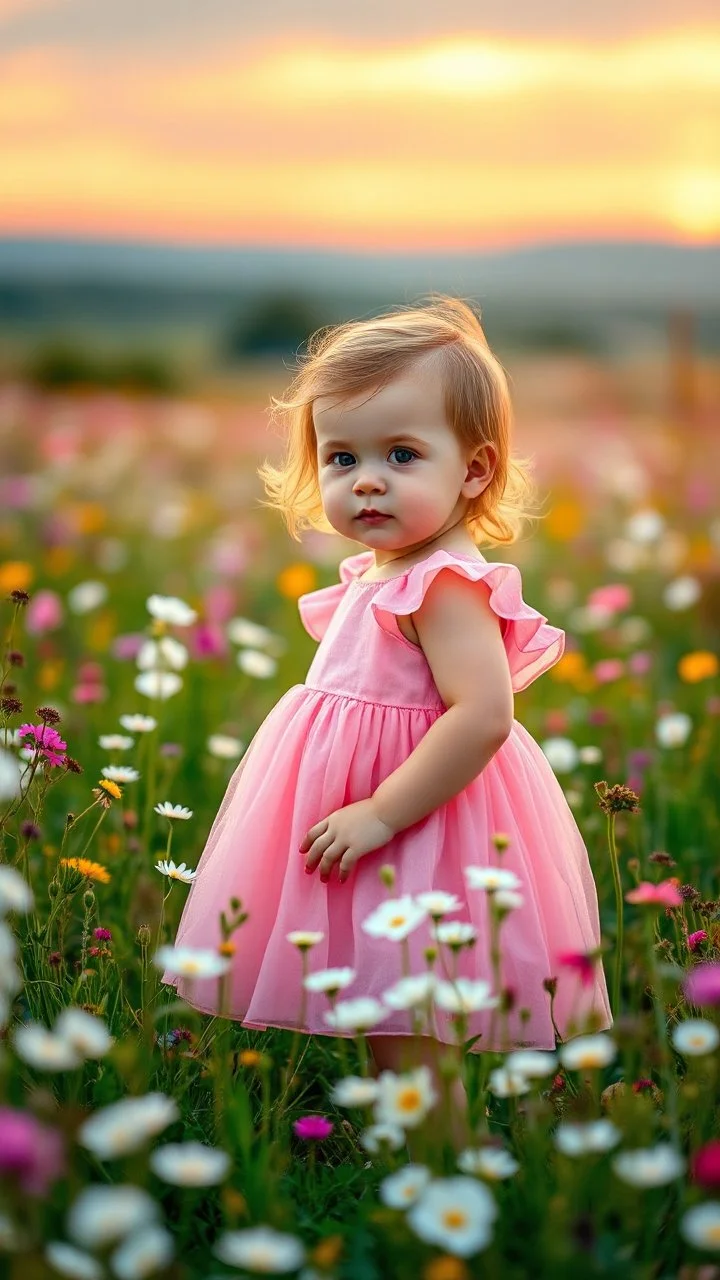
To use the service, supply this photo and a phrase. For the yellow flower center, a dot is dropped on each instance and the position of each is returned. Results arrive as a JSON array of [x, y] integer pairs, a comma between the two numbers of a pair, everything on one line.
[[409, 1099], [712, 1234], [454, 1218], [397, 920]]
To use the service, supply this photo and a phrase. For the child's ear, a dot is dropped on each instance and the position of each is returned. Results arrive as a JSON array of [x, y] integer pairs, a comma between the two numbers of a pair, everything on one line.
[[480, 471]]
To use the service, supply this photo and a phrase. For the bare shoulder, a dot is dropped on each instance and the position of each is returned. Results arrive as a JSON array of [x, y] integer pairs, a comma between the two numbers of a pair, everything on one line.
[[461, 637]]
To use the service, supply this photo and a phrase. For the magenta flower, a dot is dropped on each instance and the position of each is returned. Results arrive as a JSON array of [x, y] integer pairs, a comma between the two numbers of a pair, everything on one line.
[[104, 935], [702, 984], [44, 613], [46, 742], [583, 965], [313, 1128], [664, 894], [694, 939], [29, 1152]]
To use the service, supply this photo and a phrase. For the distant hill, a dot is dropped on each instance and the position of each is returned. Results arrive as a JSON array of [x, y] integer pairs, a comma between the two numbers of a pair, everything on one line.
[[612, 272]]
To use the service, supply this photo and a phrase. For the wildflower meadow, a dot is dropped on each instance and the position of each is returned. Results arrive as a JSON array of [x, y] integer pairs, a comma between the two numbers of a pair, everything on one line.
[[149, 623]]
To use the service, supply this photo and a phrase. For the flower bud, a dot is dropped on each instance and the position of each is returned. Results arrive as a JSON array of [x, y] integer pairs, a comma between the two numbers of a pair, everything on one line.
[[143, 935], [387, 875]]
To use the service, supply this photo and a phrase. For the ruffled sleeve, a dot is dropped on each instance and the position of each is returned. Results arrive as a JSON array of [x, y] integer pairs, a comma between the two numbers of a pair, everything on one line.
[[316, 608], [531, 644]]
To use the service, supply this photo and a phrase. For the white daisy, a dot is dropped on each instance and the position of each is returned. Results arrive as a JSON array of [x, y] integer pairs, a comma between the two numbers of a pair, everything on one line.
[[260, 1249], [694, 1037], [171, 609], [165, 654], [248, 634], [682, 593], [354, 1091], [575, 1138], [72, 1262], [673, 729], [400, 1190], [455, 933], [9, 775], [87, 1034], [125, 1126], [649, 1166], [138, 723], [645, 526], [587, 1052], [465, 995], [493, 1163], [303, 939], [257, 664], [102, 1214], [590, 755], [173, 811], [394, 919], [15, 892], [455, 1213], [507, 1084], [411, 992], [182, 873], [43, 1050], [437, 903], [376, 1136], [508, 900], [329, 979], [86, 596], [405, 1099], [158, 684], [491, 878], [356, 1015], [115, 742], [190, 1164], [700, 1225], [144, 1253], [533, 1063], [224, 747], [561, 754], [120, 773], [191, 962]]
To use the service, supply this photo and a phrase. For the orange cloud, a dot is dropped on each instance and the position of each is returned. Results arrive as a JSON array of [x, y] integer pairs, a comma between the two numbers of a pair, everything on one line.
[[453, 142]]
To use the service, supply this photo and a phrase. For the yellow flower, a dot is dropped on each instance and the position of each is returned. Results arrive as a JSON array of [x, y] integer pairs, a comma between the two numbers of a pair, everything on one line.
[[699, 665], [571, 667], [111, 787], [49, 674], [93, 870], [15, 575], [565, 521], [327, 1252], [296, 580], [227, 949], [89, 517], [249, 1058], [446, 1268], [59, 561]]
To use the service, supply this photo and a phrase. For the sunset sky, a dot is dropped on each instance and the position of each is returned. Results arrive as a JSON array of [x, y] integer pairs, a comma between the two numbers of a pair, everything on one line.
[[401, 124]]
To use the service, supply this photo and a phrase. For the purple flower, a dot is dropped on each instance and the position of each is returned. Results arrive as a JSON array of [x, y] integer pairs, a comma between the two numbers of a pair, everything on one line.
[[312, 1128], [29, 1152], [46, 743], [702, 984], [103, 934]]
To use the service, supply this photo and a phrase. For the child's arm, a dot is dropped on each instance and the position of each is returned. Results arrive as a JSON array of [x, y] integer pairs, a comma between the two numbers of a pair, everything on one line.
[[461, 639]]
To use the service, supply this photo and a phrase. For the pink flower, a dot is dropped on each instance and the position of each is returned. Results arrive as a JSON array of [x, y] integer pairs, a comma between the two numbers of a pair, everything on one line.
[[312, 1128], [640, 663], [557, 721], [694, 939], [608, 669], [85, 693], [208, 640], [46, 743], [611, 598], [664, 894], [29, 1152], [702, 984], [583, 965], [127, 647], [103, 934], [44, 613]]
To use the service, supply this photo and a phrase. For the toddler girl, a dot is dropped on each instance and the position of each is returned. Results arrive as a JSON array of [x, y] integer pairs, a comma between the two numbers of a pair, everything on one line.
[[401, 748]]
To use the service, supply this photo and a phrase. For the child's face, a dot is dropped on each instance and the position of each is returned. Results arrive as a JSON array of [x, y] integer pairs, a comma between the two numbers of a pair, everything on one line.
[[394, 452]]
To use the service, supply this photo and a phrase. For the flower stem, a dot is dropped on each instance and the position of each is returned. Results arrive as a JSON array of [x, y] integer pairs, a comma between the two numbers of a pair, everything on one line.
[[617, 970]]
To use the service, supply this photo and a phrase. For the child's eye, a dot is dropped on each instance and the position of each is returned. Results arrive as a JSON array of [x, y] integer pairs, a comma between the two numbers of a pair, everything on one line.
[[340, 455], [401, 449]]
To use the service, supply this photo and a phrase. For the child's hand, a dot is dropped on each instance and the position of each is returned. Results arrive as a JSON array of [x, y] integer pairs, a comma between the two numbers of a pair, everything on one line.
[[346, 835]]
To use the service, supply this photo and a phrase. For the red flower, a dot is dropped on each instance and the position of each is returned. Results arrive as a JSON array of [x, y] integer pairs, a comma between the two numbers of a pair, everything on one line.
[[584, 965], [313, 1128], [705, 1166]]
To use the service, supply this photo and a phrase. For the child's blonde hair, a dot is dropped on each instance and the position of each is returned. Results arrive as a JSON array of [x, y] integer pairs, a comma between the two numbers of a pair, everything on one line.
[[346, 359]]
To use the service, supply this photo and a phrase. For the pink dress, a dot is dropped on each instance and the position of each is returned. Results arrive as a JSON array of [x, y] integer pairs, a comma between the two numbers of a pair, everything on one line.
[[368, 699]]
